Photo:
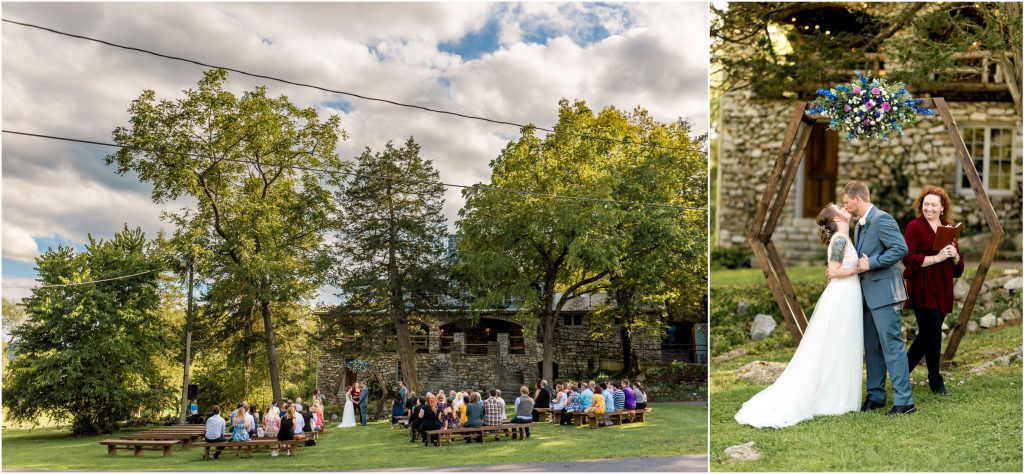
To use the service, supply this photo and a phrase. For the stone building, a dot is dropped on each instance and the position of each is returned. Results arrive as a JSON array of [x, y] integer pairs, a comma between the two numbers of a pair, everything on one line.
[[497, 350], [751, 130]]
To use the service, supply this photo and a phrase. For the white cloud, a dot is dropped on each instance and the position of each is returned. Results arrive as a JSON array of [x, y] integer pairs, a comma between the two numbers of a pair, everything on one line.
[[19, 244], [655, 56]]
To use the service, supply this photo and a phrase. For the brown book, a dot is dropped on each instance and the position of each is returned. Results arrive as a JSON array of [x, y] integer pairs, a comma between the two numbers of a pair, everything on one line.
[[945, 235]]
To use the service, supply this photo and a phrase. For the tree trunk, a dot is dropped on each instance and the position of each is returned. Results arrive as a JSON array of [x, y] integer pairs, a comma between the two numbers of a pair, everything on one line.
[[188, 350], [548, 318], [407, 355], [268, 330]]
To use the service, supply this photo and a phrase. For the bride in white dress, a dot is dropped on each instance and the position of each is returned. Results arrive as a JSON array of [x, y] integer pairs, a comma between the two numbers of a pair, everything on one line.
[[824, 375], [348, 417]]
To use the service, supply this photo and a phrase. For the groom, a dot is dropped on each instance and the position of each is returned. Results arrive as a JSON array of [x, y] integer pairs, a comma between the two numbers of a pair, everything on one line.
[[880, 245], [363, 394]]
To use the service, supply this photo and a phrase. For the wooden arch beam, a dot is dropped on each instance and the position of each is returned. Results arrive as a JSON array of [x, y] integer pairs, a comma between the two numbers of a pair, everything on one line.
[[780, 180]]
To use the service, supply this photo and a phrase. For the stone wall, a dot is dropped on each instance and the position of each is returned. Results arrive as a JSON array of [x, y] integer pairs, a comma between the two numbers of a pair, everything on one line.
[[577, 354], [751, 134]]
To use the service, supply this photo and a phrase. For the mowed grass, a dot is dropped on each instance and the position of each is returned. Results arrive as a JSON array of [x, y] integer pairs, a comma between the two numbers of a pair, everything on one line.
[[672, 429], [976, 428], [812, 273]]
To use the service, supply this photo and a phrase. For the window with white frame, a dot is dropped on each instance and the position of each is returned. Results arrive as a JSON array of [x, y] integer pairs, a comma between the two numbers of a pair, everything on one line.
[[994, 149]]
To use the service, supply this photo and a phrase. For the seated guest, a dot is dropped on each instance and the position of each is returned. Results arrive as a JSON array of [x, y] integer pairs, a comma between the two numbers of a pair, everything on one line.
[[250, 420], [609, 398], [271, 422], [298, 405], [619, 397], [541, 398], [299, 427], [587, 396], [629, 402], [641, 396], [397, 407], [287, 430], [573, 404], [410, 402], [442, 402], [215, 427], [429, 417], [463, 417], [598, 407], [524, 409], [308, 423], [449, 418], [241, 426], [414, 419], [559, 401], [474, 414], [494, 409]]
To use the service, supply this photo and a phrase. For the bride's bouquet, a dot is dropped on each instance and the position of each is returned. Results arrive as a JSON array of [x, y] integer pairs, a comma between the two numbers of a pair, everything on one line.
[[868, 108]]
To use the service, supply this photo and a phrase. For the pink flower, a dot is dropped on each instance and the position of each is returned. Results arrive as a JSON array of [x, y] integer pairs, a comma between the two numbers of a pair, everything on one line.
[[869, 105], [847, 108], [886, 107], [856, 89], [867, 121], [876, 91]]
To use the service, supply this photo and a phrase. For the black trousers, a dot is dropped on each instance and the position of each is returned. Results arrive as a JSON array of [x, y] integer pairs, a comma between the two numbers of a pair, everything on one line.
[[428, 426], [928, 345], [520, 421], [219, 448]]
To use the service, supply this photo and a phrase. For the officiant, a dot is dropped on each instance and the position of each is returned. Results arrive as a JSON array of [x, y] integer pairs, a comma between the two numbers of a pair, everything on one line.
[[929, 275]]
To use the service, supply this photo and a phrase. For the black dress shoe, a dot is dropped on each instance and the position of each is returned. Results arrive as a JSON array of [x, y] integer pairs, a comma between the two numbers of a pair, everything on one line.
[[941, 390], [902, 410], [870, 404]]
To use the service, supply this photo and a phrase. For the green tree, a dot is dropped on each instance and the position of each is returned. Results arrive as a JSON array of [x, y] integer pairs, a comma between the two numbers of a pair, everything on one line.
[[13, 316], [88, 350], [257, 232], [778, 48], [541, 251], [389, 255]]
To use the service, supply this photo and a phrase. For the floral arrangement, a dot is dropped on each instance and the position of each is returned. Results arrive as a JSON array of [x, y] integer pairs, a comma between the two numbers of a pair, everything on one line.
[[357, 365], [868, 108]]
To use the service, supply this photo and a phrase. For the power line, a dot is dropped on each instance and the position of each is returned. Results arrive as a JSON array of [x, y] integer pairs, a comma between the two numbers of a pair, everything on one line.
[[349, 173], [61, 285], [340, 92]]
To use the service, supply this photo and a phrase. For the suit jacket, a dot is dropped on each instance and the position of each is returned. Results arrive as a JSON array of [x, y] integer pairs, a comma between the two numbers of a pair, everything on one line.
[[362, 396], [881, 240]]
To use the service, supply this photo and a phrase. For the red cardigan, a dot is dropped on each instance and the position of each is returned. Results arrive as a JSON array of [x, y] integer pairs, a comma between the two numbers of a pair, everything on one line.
[[928, 287]]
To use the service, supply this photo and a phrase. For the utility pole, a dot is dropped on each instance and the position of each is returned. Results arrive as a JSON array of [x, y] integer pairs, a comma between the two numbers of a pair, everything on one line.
[[188, 343]]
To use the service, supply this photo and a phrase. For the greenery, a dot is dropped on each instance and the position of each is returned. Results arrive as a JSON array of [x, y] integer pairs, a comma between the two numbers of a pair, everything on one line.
[[89, 352], [976, 428], [256, 235], [778, 48], [527, 249], [737, 256], [389, 254], [671, 430]]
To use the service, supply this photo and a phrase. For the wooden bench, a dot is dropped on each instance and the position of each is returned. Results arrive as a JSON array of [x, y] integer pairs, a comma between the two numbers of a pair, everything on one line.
[[467, 432], [185, 438], [617, 417], [547, 414], [401, 420], [250, 446], [138, 445]]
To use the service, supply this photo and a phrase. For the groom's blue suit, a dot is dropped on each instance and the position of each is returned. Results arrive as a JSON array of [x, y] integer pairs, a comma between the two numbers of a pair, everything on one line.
[[884, 293]]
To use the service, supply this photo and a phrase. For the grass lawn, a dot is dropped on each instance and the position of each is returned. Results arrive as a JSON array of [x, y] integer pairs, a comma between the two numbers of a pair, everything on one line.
[[976, 428], [796, 273], [672, 429]]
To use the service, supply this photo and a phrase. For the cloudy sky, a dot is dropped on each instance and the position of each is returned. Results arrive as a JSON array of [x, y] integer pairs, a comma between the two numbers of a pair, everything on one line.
[[510, 62]]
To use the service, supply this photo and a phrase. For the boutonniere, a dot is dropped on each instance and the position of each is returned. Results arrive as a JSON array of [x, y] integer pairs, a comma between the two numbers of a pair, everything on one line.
[[863, 221]]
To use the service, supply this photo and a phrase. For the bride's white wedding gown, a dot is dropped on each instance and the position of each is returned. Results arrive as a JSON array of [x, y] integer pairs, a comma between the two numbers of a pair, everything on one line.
[[824, 375], [348, 417]]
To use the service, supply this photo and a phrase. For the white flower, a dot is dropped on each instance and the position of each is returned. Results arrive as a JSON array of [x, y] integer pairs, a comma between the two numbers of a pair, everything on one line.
[[863, 221]]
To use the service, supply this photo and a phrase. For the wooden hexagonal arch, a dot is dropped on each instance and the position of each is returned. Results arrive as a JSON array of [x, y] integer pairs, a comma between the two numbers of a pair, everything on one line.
[[769, 209]]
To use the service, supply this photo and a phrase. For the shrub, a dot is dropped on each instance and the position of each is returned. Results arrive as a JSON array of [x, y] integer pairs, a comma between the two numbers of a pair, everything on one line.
[[731, 257]]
